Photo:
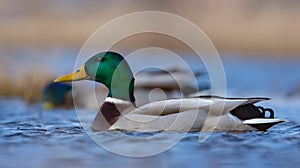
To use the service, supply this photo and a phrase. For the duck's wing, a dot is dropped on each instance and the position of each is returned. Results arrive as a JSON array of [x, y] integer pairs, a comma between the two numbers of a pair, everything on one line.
[[188, 121], [228, 104], [212, 105]]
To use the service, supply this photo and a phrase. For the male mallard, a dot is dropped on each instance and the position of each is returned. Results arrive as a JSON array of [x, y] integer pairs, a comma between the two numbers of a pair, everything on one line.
[[56, 95], [172, 78], [189, 114], [171, 82]]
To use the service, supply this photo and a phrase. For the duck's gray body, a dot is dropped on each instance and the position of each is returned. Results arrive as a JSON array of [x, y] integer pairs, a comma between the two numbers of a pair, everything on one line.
[[189, 114]]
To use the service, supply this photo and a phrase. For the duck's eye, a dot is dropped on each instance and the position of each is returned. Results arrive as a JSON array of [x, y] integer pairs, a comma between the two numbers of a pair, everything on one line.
[[99, 59], [78, 71]]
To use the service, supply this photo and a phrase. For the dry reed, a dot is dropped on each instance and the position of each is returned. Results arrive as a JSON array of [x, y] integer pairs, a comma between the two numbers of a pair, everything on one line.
[[28, 84]]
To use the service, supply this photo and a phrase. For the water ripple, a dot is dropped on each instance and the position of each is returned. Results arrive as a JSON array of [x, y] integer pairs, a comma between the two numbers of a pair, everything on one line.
[[58, 136]]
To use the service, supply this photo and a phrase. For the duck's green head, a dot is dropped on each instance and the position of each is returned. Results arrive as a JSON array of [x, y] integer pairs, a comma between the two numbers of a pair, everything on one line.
[[108, 68]]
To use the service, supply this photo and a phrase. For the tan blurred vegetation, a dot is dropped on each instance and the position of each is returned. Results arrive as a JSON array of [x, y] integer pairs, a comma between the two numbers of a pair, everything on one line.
[[28, 84], [255, 26]]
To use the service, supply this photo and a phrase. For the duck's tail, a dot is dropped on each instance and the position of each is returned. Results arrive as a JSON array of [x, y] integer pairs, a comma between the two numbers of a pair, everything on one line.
[[262, 124], [256, 116]]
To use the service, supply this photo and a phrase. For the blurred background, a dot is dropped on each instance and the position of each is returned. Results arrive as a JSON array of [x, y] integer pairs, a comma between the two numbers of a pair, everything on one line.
[[38, 35], [270, 26], [259, 43]]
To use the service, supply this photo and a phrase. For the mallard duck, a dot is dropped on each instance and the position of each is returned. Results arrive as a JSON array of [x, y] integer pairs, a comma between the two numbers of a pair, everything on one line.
[[56, 95], [119, 112], [170, 78], [167, 83]]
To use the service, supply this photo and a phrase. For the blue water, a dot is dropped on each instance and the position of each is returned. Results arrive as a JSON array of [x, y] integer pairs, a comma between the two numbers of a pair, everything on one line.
[[30, 137]]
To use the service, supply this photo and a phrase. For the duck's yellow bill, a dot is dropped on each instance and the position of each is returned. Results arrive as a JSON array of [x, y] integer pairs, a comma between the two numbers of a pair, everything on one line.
[[75, 76]]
